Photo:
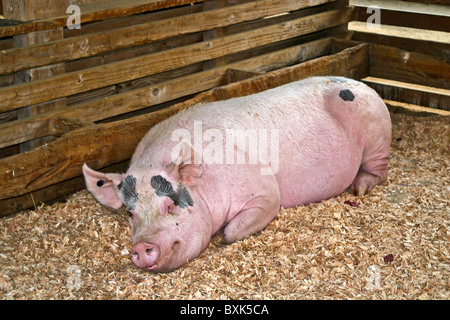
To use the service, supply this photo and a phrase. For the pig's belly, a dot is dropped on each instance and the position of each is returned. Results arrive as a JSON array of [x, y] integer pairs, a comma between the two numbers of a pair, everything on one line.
[[313, 176]]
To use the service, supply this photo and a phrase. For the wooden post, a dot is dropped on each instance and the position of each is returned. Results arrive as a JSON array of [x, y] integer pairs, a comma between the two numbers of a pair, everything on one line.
[[31, 10]]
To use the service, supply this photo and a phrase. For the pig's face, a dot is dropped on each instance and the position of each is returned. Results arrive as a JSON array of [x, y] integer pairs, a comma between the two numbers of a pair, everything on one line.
[[167, 227]]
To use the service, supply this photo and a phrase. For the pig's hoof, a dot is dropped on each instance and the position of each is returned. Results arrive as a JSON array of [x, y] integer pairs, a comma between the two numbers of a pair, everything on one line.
[[363, 183]]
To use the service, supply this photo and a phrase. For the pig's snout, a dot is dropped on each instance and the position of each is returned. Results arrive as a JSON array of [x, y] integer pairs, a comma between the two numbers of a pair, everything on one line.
[[145, 255]]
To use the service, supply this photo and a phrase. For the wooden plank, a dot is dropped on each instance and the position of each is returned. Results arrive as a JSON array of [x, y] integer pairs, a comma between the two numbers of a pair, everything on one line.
[[99, 109], [13, 60], [407, 19], [123, 87], [15, 97], [25, 129], [275, 20], [9, 151], [351, 63], [446, 2], [395, 64], [410, 93], [432, 7], [342, 44], [133, 52], [342, 28], [121, 22], [275, 47], [433, 48], [216, 33], [47, 195], [402, 32], [235, 75], [61, 126], [402, 107], [93, 12], [109, 143], [27, 10]]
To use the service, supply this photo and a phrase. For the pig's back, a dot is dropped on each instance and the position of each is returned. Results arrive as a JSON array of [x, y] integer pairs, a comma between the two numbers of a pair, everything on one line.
[[318, 156]]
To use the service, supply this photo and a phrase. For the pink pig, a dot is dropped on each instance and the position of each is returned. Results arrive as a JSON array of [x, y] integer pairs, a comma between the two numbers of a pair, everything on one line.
[[208, 169]]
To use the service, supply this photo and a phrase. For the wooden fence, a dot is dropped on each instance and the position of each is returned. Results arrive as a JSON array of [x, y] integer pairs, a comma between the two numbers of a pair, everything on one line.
[[412, 62]]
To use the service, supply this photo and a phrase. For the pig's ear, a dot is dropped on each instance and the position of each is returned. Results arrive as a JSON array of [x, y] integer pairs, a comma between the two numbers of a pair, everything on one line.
[[187, 164], [103, 186]]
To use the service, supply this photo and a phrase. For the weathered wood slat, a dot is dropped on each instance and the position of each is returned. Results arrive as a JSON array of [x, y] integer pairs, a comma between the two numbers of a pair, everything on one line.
[[414, 6], [110, 143], [402, 107], [235, 75], [35, 9], [17, 96], [352, 63], [13, 60], [95, 12], [215, 33], [25, 129], [407, 19], [410, 93], [47, 195], [99, 109], [395, 64], [121, 22], [432, 48], [446, 2]]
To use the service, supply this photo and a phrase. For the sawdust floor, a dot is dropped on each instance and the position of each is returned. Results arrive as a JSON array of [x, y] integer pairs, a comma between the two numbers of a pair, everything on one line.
[[327, 250]]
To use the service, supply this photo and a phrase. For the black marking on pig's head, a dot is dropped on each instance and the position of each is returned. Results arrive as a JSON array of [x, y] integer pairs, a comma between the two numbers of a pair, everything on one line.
[[128, 190], [184, 198], [346, 95], [163, 188]]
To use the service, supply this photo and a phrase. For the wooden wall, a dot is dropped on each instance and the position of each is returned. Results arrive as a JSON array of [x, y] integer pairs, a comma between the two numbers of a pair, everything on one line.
[[131, 60], [412, 62]]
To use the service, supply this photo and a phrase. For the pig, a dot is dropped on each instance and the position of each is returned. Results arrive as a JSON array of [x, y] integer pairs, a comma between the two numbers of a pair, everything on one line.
[[329, 134]]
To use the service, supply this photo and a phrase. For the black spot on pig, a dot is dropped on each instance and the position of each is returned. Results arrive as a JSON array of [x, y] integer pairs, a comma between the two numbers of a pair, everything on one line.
[[128, 190], [346, 95], [184, 198], [164, 188]]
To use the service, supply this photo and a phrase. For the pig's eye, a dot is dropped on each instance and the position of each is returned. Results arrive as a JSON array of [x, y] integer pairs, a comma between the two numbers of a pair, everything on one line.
[[130, 214]]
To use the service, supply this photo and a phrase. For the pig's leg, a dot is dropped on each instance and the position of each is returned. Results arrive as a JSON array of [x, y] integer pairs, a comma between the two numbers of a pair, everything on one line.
[[365, 181], [249, 221], [374, 166], [375, 157], [255, 217]]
